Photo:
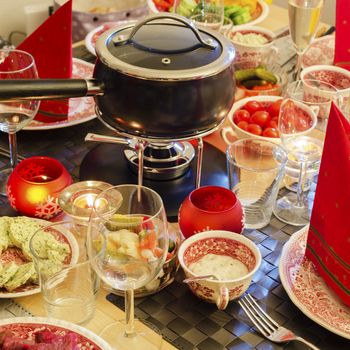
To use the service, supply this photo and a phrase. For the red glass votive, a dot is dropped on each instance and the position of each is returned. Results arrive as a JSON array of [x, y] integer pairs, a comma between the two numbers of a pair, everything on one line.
[[34, 186], [210, 208]]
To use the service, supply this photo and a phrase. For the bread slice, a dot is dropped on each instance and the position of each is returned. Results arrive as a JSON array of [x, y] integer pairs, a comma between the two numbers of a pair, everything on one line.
[[22, 275], [8, 272], [22, 229], [5, 241]]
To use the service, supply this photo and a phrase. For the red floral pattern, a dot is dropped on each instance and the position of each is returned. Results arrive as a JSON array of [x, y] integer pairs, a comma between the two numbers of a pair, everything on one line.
[[307, 289], [220, 246], [321, 51]]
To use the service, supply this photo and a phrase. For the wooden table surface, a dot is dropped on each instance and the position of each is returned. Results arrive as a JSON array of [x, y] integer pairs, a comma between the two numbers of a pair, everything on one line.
[[106, 313]]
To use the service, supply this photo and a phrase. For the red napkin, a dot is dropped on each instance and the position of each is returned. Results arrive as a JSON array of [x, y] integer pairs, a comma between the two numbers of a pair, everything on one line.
[[328, 243], [51, 46], [342, 30]]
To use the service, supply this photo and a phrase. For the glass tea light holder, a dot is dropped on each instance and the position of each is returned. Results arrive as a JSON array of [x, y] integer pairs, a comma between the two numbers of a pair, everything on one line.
[[77, 200], [34, 186]]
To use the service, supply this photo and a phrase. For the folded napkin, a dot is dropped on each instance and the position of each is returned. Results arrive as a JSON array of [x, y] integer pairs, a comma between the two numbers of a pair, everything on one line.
[[51, 46], [328, 243], [342, 30]]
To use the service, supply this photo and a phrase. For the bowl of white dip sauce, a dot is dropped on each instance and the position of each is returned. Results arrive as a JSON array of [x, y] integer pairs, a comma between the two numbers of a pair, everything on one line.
[[230, 258]]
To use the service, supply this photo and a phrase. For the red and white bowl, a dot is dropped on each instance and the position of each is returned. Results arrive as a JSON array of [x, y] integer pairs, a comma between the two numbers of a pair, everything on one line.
[[221, 243]]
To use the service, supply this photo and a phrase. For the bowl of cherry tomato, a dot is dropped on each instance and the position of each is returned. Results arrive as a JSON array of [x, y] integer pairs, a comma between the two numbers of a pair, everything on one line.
[[256, 117]]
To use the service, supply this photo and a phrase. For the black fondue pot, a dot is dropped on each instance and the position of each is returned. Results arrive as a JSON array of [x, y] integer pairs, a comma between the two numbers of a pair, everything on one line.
[[160, 79]]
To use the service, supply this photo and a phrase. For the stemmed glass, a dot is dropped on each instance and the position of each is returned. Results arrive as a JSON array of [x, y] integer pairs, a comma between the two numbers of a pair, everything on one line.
[[16, 114], [208, 14], [296, 121], [319, 96], [133, 222], [304, 17]]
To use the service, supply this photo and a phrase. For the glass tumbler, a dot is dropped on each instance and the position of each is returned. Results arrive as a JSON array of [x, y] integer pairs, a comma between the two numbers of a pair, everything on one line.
[[255, 169]]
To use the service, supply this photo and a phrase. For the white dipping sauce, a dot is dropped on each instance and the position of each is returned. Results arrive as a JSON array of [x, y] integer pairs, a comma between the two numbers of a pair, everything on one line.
[[222, 266]]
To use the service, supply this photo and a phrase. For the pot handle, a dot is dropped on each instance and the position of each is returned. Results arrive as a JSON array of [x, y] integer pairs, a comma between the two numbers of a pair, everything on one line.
[[46, 89], [206, 43]]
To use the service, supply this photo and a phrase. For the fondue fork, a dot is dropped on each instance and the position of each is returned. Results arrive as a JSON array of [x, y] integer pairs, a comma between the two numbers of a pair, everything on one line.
[[268, 327], [200, 278], [5, 152]]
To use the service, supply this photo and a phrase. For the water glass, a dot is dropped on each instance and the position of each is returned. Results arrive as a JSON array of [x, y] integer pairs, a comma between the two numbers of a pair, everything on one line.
[[68, 282], [255, 169]]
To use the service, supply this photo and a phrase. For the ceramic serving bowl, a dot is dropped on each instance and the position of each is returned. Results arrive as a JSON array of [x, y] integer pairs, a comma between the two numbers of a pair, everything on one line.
[[233, 132], [253, 43], [230, 257]]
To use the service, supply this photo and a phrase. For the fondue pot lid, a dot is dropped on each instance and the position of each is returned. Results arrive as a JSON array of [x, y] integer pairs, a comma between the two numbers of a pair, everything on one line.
[[165, 47]]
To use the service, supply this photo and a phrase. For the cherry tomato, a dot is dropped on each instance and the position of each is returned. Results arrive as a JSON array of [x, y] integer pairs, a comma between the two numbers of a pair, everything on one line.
[[270, 132], [241, 115], [260, 117], [253, 106], [274, 108], [255, 129], [272, 123], [243, 125]]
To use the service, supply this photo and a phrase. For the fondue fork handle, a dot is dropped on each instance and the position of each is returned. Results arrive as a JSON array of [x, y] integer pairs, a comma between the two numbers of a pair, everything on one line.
[[46, 89], [199, 162]]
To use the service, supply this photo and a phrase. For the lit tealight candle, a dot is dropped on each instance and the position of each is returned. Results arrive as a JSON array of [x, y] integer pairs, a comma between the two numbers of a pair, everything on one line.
[[85, 201]]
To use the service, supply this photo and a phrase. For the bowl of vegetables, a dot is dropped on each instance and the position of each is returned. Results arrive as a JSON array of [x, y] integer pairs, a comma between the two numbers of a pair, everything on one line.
[[256, 78], [241, 12], [253, 117]]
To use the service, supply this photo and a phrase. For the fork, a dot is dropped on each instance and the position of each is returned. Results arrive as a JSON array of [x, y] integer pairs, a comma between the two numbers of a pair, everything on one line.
[[268, 327]]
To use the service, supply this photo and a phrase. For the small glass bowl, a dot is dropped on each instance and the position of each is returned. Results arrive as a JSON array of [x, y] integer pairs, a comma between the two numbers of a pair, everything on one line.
[[72, 198], [166, 275], [273, 67]]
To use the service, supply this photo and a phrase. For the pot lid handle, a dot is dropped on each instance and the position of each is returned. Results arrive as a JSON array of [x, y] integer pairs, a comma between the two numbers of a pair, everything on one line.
[[209, 43]]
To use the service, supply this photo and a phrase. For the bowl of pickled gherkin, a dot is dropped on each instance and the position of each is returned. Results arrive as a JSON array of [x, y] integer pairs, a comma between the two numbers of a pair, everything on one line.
[[259, 79]]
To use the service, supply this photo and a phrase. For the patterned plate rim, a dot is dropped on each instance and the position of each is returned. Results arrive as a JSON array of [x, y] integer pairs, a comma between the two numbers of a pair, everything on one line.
[[66, 123], [299, 235], [59, 323], [4, 295]]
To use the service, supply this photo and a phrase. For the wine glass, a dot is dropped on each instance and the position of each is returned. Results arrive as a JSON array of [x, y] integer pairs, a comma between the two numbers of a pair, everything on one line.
[[296, 121], [206, 14], [15, 114], [304, 17], [133, 222], [319, 96]]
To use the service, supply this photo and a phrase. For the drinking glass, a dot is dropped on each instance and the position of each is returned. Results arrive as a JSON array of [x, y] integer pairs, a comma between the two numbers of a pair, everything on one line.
[[133, 222], [296, 121], [15, 114], [207, 14], [304, 17]]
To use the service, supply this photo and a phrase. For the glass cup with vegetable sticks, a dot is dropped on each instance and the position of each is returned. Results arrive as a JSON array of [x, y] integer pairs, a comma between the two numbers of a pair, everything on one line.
[[136, 234], [304, 17]]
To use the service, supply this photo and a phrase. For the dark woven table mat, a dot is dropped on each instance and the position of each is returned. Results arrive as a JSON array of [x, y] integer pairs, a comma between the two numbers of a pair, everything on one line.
[[189, 323]]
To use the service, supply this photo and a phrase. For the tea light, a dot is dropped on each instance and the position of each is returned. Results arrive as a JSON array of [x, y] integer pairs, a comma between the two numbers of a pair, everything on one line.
[[78, 199]]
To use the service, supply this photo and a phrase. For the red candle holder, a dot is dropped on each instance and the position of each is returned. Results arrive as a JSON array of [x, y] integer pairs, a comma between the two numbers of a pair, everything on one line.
[[34, 186], [211, 208]]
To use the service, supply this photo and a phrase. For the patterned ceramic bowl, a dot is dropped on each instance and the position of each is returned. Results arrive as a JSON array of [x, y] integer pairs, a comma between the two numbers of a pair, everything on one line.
[[230, 258]]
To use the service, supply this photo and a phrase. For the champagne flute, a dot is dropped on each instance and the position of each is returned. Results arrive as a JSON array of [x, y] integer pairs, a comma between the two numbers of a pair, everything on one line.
[[132, 221], [304, 17], [16, 114]]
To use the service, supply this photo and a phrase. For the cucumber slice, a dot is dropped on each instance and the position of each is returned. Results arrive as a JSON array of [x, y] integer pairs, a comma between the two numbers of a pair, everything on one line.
[[264, 74]]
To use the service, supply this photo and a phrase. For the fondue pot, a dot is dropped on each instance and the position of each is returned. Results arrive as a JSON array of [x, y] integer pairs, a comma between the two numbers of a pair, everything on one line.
[[161, 79]]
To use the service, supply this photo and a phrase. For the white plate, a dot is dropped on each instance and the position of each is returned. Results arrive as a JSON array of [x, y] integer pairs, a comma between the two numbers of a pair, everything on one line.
[[91, 37], [307, 289], [81, 109], [320, 51], [264, 13], [35, 289], [23, 327]]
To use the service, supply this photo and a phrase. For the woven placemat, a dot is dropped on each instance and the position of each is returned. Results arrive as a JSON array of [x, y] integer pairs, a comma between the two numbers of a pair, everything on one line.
[[188, 322]]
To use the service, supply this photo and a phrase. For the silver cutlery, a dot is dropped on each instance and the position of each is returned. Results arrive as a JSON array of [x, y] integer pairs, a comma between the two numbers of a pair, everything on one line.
[[268, 327]]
